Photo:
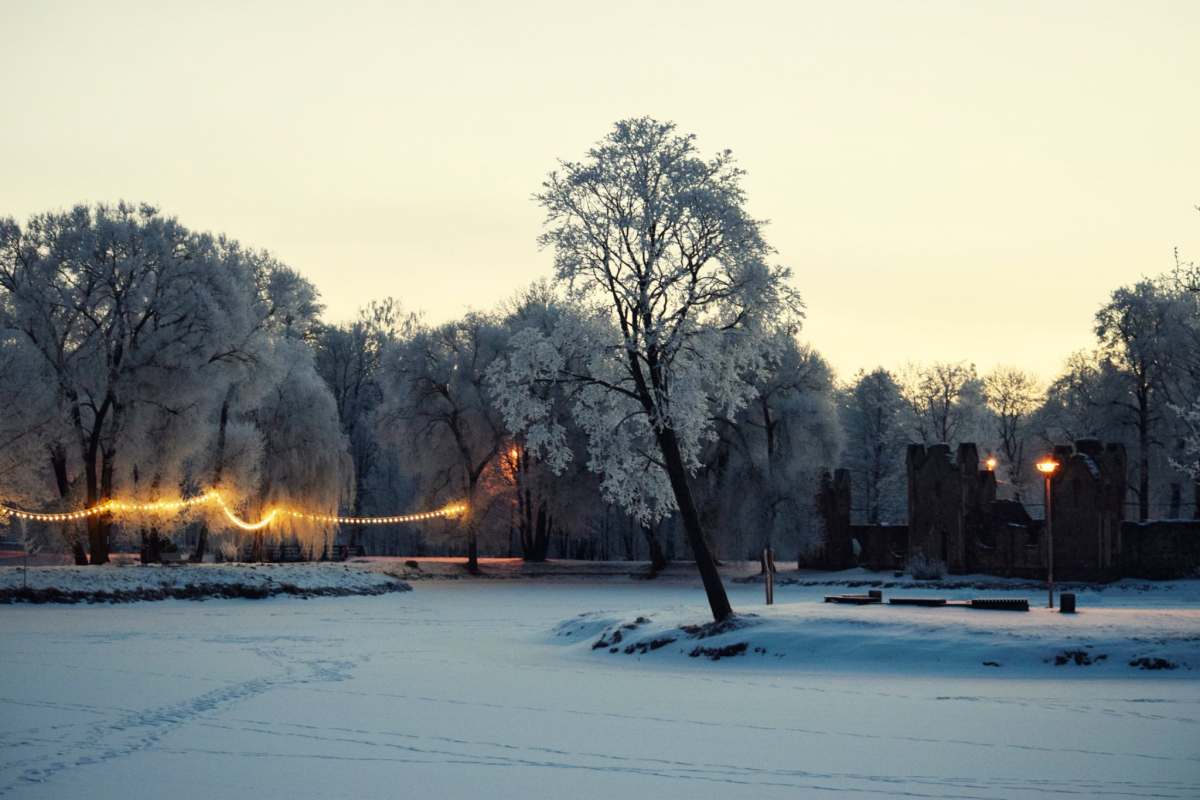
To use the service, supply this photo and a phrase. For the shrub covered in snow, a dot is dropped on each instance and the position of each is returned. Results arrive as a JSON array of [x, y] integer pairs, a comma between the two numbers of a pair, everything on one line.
[[925, 568], [229, 551]]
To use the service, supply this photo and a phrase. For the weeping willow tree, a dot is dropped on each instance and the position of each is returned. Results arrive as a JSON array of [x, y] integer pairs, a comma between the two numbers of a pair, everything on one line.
[[306, 465]]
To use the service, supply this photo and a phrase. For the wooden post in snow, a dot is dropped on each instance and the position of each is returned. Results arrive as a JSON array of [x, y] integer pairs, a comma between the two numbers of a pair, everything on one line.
[[769, 575]]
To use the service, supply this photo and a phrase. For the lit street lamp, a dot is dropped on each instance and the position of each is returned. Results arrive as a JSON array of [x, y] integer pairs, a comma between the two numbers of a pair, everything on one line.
[[991, 465], [1047, 468]]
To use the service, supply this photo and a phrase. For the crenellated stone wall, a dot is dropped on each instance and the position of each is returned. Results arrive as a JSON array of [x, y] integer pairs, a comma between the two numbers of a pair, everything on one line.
[[953, 515], [836, 550], [944, 489], [1087, 494]]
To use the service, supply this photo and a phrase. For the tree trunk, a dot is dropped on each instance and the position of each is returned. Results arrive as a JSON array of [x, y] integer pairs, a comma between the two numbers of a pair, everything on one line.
[[97, 534], [472, 530], [58, 463], [107, 459], [658, 561], [539, 536], [152, 546], [218, 471], [472, 550], [201, 543], [718, 601], [525, 523]]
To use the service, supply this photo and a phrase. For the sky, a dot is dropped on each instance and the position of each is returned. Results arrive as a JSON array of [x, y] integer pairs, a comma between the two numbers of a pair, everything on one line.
[[947, 180]]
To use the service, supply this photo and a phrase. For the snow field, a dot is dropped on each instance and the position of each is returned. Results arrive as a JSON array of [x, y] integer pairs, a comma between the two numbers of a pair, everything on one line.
[[463, 688]]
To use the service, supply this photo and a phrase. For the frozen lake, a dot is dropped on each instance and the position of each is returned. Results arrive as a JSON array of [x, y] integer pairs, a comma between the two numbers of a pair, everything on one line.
[[460, 688]]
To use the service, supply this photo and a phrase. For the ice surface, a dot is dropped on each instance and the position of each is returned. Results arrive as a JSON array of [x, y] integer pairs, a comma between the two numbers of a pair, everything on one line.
[[466, 689]]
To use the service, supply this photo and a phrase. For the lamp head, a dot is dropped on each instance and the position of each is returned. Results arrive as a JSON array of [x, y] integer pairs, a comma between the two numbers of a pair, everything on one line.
[[1047, 466], [991, 465]]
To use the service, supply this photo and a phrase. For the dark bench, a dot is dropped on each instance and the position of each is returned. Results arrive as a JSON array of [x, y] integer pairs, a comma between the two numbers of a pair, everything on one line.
[[341, 552], [871, 597]]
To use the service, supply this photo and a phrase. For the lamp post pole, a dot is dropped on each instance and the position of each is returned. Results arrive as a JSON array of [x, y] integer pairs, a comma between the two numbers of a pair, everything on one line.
[[1047, 467], [1049, 545]]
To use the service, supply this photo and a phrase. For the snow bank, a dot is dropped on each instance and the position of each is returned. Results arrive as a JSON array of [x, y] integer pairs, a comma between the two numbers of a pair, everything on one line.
[[119, 584], [811, 634]]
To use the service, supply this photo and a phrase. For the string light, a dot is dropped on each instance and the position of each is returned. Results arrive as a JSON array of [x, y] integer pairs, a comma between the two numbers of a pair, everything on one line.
[[448, 511], [247, 526], [210, 497]]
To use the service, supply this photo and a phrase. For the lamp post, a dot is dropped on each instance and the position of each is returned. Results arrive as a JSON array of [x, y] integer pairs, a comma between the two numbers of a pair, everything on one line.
[[1047, 468]]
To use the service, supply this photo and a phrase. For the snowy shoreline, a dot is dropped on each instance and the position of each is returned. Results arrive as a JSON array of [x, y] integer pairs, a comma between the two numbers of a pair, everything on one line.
[[130, 584], [127, 581], [1121, 631], [738, 572], [1114, 643]]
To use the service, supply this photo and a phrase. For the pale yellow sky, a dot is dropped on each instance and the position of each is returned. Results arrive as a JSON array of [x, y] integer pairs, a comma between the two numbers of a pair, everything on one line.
[[948, 180]]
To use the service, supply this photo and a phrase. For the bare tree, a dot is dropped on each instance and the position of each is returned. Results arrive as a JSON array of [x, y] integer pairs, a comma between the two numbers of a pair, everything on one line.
[[944, 400], [1014, 396]]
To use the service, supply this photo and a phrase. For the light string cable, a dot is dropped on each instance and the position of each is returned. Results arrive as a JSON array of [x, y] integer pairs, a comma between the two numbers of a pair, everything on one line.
[[119, 506]]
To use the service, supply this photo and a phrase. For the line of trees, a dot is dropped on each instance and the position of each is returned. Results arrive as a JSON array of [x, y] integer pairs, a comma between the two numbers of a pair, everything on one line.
[[651, 401]]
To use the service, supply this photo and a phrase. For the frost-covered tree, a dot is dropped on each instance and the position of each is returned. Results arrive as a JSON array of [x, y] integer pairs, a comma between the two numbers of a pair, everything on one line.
[[1191, 448], [756, 487], [306, 466], [655, 242], [1183, 318], [1013, 396], [273, 347], [437, 409], [1123, 390], [350, 358], [31, 423], [546, 499], [125, 307], [1078, 403], [1133, 329], [873, 426]]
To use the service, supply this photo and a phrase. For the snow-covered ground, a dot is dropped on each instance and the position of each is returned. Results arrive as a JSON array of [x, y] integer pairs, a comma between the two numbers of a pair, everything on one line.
[[471, 688]]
